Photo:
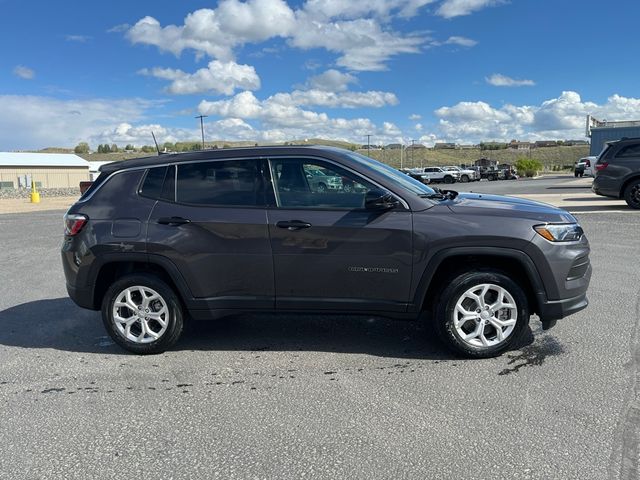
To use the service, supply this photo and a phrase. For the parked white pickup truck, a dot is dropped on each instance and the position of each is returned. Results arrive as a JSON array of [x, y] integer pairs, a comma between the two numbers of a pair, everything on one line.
[[437, 174], [464, 175]]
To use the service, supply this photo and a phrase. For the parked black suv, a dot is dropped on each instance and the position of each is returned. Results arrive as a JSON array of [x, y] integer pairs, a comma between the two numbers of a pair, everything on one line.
[[617, 172], [207, 234]]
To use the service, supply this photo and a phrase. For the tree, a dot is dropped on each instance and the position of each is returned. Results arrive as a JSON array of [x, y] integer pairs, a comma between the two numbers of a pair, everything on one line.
[[114, 148], [129, 147], [528, 167], [82, 147], [148, 149], [168, 146]]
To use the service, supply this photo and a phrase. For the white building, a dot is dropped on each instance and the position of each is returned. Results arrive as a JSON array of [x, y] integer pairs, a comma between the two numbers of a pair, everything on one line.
[[47, 170]]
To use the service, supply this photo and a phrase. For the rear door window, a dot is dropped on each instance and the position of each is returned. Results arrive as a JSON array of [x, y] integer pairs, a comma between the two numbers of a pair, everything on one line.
[[630, 151], [232, 183]]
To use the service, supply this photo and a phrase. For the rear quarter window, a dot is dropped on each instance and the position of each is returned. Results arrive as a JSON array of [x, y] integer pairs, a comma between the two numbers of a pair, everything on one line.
[[629, 151]]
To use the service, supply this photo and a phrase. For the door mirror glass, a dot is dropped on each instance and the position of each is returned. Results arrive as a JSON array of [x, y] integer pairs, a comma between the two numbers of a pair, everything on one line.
[[378, 199]]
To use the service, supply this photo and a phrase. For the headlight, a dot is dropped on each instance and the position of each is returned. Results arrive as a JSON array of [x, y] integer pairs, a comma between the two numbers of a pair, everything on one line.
[[566, 232]]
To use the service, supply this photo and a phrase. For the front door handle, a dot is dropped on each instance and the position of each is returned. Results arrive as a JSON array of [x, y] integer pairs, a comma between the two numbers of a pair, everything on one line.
[[293, 225], [173, 221]]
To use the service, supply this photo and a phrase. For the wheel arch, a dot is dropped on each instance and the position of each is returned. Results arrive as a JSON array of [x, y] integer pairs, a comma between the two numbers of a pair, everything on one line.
[[635, 176], [451, 262], [116, 266]]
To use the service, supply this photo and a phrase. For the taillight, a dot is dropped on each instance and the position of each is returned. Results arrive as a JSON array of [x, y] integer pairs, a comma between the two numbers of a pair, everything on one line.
[[601, 166], [73, 223]]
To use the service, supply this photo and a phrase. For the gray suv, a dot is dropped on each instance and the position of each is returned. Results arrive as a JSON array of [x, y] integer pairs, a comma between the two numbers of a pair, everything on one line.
[[203, 235], [617, 172]]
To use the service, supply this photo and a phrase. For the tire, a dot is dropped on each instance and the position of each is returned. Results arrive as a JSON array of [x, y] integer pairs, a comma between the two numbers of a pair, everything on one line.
[[321, 188], [575, 174], [464, 178], [167, 300], [632, 194], [448, 179], [491, 178], [347, 187], [486, 343]]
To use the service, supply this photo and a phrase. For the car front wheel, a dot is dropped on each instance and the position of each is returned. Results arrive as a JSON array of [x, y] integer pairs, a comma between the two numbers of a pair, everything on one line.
[[142, 314], [632, 194], [464, 178], [448, 179], [481, 314]]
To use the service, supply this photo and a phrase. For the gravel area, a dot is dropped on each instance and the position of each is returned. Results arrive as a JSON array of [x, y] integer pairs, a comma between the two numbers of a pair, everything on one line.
[[44, 192]]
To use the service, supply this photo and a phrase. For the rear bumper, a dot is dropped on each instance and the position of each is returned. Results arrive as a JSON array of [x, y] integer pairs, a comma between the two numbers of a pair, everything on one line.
[[83, 297], [603, 186]]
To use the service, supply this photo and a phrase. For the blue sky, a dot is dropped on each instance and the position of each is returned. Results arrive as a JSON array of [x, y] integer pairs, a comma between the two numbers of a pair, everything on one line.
[[270, 70]]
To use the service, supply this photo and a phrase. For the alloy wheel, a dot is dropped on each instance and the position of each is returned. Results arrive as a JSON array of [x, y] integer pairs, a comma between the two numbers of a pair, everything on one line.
[[485, 315], [140, 314]]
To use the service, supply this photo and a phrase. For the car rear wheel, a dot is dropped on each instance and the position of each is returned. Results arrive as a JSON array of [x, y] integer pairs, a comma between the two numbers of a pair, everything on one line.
[[632, 194], [448, 179], [481, 314], [321, 188], [142, 314]]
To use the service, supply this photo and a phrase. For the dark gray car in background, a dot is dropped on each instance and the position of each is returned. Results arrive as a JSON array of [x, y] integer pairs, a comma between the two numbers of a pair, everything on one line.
[[617, 171], [208, 234]]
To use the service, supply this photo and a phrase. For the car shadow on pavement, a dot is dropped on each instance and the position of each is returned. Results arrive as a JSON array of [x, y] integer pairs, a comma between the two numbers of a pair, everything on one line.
[[59, 324]]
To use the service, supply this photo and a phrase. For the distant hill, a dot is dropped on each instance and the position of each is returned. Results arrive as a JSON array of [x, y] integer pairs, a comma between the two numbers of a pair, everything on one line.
[[551, 157]]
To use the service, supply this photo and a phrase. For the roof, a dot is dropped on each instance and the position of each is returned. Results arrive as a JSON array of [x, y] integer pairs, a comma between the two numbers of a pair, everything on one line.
[[218, 153], [23, 159]]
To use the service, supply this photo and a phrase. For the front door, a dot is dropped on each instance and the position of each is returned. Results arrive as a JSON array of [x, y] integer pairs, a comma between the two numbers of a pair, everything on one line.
[[329, 252], [215, 232]]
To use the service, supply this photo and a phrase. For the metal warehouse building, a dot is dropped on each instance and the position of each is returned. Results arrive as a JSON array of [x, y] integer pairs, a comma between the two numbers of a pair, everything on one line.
[[48, 170], [602, 131]]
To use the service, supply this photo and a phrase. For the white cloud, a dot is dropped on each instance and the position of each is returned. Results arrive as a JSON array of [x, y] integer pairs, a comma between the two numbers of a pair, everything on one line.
[[28, 122], [415, 116], [353, 30], [279, 117], [216, 32], [456, 8], [558, 118], [499, 80], [218, 77], [121, 28], [462, 41], [125, 133], [418, 127], [77, 38], [23, 72], [361, 43], [332, 80]]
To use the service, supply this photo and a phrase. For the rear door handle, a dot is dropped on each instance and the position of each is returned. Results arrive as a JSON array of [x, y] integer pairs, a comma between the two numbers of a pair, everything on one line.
[[293, 225], [173, 221]]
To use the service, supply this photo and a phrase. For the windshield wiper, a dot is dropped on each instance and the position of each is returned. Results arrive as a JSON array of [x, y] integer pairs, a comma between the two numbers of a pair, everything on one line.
[[440, 194]]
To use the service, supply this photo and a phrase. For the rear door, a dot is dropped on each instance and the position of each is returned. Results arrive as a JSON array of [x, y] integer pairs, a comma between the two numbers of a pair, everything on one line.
[[328, 251], [212, 225]]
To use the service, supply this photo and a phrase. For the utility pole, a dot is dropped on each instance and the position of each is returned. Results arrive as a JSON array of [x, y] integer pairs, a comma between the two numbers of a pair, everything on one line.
[[201, 117], [368, 145], [413, 142]]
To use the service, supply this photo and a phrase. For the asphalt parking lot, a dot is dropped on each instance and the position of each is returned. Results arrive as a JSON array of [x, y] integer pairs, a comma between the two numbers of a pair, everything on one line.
[[282, 397]]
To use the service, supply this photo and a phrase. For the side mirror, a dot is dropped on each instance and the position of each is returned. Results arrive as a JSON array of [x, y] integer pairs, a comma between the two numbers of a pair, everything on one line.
[[378, 199]]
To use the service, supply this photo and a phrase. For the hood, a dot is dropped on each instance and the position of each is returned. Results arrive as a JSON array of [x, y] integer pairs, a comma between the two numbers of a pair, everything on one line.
[[498, 205]]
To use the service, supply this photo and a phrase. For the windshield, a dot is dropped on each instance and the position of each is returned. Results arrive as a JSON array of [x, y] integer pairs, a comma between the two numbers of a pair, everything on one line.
[[395, 176]]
